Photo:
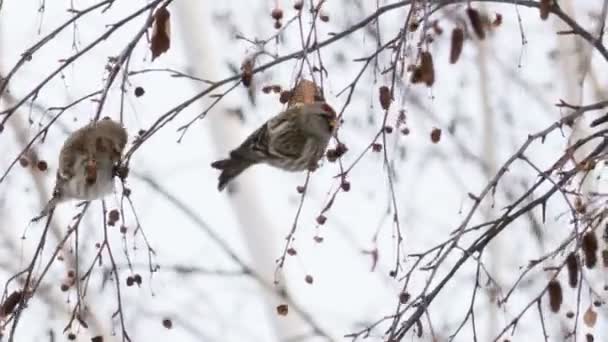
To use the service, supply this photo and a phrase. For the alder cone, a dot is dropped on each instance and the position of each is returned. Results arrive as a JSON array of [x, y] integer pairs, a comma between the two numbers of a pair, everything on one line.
[[385, 97], [556, 296], [476, 22], [545, 8], [161, 33], [590, 247], [456, 46], [427, 69], [572, 268]]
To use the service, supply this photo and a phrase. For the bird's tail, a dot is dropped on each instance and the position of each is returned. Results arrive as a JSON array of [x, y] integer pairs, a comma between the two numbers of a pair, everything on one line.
[[231, 168]]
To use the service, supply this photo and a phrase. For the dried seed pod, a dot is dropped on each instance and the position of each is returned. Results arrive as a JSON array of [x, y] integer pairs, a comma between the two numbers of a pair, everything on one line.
[[435, 135], [247, 75], [321, 219], [285, 96], [298, 5], [10, 303], [277, 14], [572, 267], [309, 279], [590, 247], [42, 165], [457, 43], [555, 295], [167, 323], [427, 68], [545, 8], [139, 91], [282, 309], [385, 97], [114, 215], [160, 40], [345, 185], [497, 20], [476, 22], [436, 28], [416, 76], [324, 16]]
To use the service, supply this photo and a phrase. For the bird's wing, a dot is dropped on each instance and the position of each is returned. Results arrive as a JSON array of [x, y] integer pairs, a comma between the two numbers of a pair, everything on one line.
[[255, 146], [289, 143]]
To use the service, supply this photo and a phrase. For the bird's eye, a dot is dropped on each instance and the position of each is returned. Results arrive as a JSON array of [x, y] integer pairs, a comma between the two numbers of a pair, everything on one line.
[[328, 109]]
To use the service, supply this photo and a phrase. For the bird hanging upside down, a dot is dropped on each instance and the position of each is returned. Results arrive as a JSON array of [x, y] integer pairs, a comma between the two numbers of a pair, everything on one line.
[[293, 140], [88, 162]]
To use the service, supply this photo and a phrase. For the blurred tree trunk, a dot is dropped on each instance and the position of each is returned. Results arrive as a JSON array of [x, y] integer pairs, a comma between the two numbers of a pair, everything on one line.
[[227, 131]]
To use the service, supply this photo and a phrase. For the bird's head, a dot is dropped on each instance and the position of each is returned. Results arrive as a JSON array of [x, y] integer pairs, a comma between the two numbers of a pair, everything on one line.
[[320, 118]]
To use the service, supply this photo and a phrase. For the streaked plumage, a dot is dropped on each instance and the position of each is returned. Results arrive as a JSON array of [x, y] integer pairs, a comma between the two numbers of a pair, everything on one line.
[[87, 162], [294, 140]]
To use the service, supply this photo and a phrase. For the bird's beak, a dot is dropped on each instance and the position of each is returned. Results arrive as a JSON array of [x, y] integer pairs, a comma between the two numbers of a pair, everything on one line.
[[333, 123]]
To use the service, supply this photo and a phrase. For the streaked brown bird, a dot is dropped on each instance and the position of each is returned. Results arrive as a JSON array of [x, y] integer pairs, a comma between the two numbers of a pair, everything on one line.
[[293, 140], [88, 162]]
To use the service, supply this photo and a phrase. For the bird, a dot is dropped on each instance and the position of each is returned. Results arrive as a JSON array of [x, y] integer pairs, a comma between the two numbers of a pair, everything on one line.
[[293, 140], [88, 161]]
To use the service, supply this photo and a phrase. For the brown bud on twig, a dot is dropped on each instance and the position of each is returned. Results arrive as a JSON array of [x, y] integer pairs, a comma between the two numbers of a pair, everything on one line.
[[545, 8], [427, 68], [572, 268], [476, 22], [590, 247], [457, 43], [555, 295]]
